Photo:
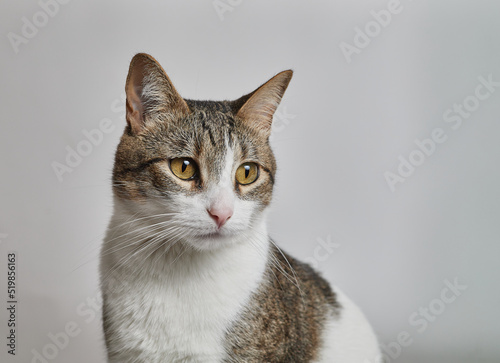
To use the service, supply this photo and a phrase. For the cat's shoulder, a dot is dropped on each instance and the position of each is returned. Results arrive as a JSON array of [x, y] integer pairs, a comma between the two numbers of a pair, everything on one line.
[[286, 316], [299, 278]]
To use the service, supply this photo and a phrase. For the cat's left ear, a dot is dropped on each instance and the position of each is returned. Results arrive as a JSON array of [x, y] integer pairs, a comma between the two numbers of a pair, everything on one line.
[[257, 108], [149, 91]]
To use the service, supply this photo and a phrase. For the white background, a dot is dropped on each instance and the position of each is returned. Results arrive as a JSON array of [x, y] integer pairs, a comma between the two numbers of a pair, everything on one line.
[[346, 124]]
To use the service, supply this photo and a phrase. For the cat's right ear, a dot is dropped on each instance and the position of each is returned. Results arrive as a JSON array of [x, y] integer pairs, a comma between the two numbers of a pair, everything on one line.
[[149, 91], [257, 108]]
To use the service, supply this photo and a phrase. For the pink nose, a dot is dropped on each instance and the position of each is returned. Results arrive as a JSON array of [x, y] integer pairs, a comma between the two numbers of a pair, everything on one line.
[[220, 215]]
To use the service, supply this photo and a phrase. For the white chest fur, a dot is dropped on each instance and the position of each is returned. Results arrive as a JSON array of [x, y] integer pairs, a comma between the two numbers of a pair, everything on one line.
[[179, 311]]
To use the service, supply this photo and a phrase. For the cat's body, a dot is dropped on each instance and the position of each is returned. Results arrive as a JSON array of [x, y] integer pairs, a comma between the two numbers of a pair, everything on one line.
[[188, 271]]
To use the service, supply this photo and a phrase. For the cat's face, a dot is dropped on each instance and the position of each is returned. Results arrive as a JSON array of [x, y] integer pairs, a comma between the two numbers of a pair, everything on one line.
[[204, 170]]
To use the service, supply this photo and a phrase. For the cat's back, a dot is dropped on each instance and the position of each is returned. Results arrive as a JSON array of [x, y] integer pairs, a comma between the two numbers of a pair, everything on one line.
[[296, 316]]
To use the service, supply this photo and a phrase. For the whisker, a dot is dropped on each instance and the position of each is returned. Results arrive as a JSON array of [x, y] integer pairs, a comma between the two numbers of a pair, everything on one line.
[[281, 268]]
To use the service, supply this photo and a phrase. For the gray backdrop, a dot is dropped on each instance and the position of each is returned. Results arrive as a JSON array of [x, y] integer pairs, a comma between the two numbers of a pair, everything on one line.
[[378, 86]]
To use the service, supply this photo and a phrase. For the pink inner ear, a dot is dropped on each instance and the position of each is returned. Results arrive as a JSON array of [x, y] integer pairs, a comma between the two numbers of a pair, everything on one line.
[[133, 90], [134, 108]]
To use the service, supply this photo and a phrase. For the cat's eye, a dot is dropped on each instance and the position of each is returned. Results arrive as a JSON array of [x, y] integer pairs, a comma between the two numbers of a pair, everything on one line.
[[183, 168], [247, 173]]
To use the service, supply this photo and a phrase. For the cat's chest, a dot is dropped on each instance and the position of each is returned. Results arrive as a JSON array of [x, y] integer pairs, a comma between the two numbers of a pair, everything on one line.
[[181, 321], [183, 317]]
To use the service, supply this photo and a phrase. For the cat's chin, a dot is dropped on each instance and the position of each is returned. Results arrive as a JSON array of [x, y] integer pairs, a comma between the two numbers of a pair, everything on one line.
[[213, 235], [217, 236], [212, 240]]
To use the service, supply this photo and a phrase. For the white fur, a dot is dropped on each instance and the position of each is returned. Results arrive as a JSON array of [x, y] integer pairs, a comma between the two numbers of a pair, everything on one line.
[[349, 338], [179, 311]]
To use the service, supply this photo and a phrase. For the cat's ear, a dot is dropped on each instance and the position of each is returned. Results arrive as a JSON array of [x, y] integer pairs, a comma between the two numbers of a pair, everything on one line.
[[150, 91], [257, 108]]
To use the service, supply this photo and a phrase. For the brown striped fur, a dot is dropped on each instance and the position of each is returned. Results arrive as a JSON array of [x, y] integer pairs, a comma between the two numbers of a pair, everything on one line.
[[285, 318]]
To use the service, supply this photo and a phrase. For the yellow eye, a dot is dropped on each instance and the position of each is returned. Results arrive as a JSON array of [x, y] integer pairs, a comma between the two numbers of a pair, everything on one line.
[[183, 168], [247, 173]]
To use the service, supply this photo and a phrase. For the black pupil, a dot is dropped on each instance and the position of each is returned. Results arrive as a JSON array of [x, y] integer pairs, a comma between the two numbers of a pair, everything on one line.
[[247, 170], [185, 164]]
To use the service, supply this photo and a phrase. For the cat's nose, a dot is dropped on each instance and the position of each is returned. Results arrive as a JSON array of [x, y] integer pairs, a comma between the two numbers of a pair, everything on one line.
[[220, 215]]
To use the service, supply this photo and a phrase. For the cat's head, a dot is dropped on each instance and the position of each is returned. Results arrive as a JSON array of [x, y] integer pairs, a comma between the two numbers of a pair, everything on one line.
[[204, 169]]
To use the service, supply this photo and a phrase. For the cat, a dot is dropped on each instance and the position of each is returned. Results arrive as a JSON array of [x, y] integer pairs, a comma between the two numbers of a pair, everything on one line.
[[188, 270]]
